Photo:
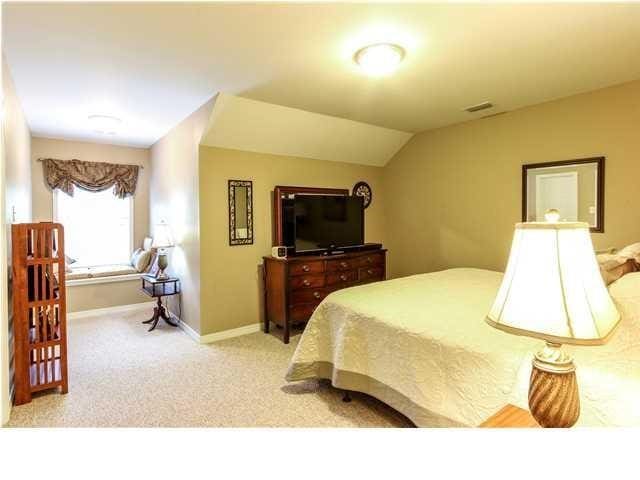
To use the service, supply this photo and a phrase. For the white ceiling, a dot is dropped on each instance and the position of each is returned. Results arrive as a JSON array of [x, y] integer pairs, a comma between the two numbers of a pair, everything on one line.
[[245, 124], [153, 64]]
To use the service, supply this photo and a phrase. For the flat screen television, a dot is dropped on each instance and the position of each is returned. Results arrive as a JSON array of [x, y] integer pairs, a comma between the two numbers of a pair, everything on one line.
[[327, 222]]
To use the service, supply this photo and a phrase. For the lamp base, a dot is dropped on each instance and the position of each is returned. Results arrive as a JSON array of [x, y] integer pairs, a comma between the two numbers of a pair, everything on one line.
[[554, 400], [163, 263], [162, 275]]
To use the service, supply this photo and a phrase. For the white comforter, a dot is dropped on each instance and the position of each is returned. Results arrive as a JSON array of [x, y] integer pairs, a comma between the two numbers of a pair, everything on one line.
[[421, 344]]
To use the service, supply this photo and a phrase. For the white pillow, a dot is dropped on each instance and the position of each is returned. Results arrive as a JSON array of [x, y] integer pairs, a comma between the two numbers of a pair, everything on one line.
[[608, 261], [627, 286], [626, 294], [67, 262], [141, 261], [134, 255], [631, 251]]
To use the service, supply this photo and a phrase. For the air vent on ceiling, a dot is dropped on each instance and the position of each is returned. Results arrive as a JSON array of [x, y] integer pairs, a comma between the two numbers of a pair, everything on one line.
[[478, 107]]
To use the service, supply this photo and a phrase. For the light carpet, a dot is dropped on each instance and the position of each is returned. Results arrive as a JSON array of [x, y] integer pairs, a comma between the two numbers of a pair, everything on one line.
[[120, 375]]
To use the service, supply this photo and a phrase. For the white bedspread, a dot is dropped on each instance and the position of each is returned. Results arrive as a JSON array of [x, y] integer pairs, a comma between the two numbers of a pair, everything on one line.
[[421, 344]]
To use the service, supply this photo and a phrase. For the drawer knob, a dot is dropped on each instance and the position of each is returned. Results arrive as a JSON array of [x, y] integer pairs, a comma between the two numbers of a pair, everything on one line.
[[344, 264], [343, 278], [370, 272], [306, 282], [305, 268], [369, 260], [316, 294]]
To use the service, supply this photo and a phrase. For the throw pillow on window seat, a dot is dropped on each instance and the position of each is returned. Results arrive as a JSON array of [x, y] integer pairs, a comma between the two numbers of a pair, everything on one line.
[[140, 260], [134, 255], [68, 261]]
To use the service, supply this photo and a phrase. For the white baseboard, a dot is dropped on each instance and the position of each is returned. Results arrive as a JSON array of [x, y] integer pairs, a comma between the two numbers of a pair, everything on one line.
[[215, 337], [189, 331], [110, 310], [210, 338]]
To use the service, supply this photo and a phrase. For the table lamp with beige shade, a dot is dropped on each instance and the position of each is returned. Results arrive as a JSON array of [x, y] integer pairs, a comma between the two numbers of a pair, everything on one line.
[[552, 290], [162, 240]]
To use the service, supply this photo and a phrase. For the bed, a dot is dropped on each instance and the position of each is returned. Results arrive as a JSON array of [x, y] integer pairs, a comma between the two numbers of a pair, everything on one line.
[[421, 345]]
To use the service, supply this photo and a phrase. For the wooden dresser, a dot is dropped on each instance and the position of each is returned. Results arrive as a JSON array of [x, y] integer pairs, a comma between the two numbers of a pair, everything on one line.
[[296, 285]]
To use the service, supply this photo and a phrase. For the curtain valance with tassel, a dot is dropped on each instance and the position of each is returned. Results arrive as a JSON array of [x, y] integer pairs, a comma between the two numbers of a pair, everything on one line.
[[91, 176]]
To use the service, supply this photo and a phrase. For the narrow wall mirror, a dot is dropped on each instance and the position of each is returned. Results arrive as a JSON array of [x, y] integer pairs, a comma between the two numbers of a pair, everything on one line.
[[240, 212], [574, 187]]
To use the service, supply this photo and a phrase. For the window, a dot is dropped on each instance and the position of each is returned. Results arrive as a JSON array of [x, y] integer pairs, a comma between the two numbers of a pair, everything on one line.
[[98, 226]]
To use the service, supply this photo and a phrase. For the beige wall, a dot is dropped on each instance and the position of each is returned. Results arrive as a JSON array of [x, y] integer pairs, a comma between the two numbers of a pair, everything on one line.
[[88, 297], [103, 295], [230, 283], [452, 195], [15, 194], [174, 199]]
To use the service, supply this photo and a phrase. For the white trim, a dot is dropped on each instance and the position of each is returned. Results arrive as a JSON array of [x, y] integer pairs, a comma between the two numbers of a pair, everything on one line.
[[116, 309], [5, 401], [234, 332], [595, 212], [217, 336], [107, 279], [195, 336]]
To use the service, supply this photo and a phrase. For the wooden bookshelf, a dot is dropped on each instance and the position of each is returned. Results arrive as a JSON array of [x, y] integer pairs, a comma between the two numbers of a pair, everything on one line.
[[39, 308]]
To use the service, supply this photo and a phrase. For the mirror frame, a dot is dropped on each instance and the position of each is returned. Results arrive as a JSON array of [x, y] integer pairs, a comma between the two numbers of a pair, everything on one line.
[[232, 184], [599, 161]]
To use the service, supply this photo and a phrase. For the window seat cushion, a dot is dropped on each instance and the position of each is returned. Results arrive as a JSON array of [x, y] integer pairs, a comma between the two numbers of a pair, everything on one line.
[[103, 271]]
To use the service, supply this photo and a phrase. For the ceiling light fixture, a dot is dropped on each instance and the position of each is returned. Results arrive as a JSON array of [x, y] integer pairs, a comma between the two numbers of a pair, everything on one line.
[[104, 124], [379, 59]]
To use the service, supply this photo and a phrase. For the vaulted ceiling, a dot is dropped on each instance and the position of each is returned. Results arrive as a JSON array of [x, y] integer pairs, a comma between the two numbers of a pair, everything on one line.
[[153, 64]]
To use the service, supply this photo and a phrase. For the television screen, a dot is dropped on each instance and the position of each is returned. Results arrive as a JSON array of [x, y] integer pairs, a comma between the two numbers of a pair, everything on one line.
[[323, 222]]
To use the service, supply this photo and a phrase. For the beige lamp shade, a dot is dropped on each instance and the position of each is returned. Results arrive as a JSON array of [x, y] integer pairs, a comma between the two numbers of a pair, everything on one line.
[[162, 237], [552, 288]]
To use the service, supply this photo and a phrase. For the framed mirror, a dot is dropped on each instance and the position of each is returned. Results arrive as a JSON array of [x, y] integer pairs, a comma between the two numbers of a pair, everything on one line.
[[240, 212], [574, 187]]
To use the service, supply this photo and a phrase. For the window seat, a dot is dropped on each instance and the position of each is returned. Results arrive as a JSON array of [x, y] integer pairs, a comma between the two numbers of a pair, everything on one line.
[[102, 274]]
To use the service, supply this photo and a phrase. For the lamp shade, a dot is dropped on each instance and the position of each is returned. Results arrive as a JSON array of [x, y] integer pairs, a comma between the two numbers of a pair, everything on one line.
[[552, 288], [162, 236]]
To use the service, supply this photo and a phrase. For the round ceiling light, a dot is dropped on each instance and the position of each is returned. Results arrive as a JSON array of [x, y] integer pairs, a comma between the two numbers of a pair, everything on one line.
[[379, 59], [104, 124]]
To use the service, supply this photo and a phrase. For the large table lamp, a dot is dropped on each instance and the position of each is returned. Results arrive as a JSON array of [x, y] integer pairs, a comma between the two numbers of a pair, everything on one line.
[[552, 290], [162, 240]]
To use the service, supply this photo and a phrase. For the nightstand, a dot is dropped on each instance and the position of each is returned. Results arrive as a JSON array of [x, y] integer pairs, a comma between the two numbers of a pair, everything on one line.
[[158, 288], [510, 416]]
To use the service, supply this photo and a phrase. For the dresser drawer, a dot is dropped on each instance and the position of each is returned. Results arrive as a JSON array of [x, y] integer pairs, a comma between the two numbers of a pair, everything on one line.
[[370, 274], [306, 281], [301, 313], [339, 278], [371, 260], [303, 268], [308, 295], [338, 265]]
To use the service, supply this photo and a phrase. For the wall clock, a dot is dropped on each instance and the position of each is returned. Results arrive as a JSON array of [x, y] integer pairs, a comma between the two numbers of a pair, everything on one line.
[[362, 189]]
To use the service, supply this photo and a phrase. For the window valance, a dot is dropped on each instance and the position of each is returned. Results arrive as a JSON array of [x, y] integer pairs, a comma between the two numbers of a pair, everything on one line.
[[91, 176]]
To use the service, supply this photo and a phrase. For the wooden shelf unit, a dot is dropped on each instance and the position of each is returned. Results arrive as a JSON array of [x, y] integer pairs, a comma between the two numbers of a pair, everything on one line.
[[39, 309]]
